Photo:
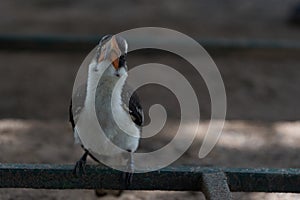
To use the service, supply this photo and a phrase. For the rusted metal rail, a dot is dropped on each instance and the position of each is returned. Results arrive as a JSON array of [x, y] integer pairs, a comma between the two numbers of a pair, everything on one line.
[[213, 182]]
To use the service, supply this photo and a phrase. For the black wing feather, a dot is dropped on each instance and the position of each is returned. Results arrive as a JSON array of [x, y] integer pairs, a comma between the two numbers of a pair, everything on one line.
[[71, 119], [135, 110]]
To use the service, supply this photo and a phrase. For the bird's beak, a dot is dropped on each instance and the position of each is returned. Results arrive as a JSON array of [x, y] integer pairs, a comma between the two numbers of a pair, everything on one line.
[[115, 52], [112, 53]]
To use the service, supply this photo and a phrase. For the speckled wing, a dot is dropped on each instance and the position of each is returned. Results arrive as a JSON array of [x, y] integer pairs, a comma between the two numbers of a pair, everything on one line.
[[132, 104]]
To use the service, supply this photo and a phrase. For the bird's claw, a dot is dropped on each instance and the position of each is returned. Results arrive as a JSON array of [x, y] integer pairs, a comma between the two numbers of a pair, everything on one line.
[[79, 169], [127, 178]]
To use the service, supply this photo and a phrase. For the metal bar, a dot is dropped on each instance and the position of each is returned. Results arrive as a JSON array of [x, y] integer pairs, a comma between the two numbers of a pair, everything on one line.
[[57, 43], [215, 186], [62, 177], [263, 180], [86, 43], [187, 178]]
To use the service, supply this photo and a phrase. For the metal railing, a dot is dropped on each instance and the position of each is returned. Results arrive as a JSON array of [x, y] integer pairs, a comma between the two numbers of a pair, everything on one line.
[[215, 183], [70, 44]]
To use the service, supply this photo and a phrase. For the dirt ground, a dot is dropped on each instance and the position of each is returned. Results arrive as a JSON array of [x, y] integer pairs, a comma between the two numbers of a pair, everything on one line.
[[263, 115]]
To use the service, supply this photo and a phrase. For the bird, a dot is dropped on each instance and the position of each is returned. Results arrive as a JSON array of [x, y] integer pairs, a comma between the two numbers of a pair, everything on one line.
[[112, 52]]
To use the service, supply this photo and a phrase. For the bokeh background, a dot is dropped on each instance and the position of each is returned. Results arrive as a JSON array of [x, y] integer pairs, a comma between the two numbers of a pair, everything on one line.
[[262, 84]]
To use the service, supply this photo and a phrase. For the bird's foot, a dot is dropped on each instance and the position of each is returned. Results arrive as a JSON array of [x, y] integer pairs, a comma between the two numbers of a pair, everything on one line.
[[128, 174], [79, 169], [127, 178]]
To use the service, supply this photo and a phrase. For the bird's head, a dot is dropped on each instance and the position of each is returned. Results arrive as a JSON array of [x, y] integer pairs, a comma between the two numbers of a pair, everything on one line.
[[113, 49]]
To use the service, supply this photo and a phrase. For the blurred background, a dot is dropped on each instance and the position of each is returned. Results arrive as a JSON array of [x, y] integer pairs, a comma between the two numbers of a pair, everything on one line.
[[255, 44]]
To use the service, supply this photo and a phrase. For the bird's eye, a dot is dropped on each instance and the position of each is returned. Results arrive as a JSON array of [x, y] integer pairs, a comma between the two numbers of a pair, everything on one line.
[[122, 59]]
